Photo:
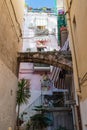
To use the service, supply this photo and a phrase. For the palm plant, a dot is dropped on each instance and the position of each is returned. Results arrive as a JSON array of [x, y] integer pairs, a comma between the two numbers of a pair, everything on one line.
[[28, 125], [23, 94], [62, 128], [40, 120]]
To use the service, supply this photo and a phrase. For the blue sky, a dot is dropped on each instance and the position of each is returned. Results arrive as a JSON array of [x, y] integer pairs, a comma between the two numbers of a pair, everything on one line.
[[41, 3]]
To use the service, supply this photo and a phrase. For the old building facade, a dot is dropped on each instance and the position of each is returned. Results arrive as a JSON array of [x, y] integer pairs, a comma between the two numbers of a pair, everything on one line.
[[11, 18], [77, 26]]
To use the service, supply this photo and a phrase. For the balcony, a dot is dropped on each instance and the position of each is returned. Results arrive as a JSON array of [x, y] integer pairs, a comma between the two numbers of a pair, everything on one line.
[[40, 32]]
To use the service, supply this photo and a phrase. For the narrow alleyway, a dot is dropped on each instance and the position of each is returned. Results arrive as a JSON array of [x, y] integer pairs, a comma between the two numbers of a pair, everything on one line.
[[40, 95], [43, 65]]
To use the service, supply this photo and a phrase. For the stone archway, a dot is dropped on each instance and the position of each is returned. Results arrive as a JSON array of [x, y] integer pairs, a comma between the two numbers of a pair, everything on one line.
[[61, 59]]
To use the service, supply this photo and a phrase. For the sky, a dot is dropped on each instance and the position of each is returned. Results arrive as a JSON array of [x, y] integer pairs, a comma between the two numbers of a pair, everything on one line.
[[41, 3]]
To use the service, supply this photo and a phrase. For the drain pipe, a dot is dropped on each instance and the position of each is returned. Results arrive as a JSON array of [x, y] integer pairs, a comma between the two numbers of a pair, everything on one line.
[[78, 89], [73, 116]]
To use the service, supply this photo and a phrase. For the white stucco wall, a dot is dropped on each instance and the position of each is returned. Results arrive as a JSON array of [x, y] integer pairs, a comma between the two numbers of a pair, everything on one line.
[[60, 4]]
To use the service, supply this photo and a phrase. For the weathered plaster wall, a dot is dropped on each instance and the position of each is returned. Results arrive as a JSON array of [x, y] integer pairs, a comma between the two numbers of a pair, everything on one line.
[[83, 105], [8, 40], [78, 20], [10, 43], [77, 26], [18, 6], [8, 87]]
